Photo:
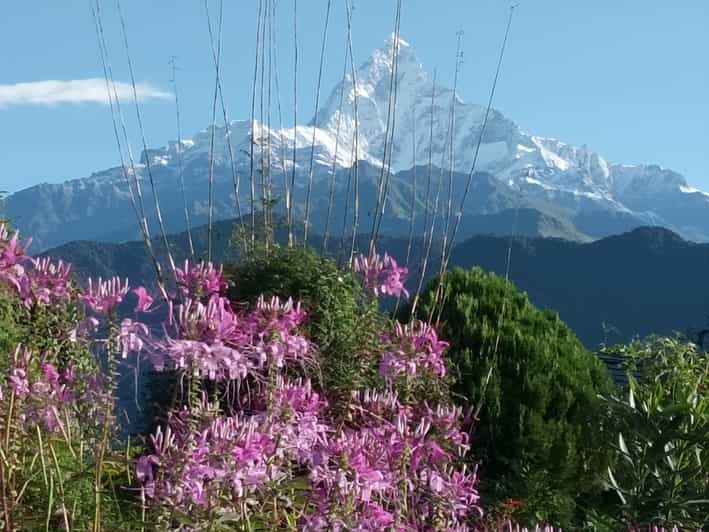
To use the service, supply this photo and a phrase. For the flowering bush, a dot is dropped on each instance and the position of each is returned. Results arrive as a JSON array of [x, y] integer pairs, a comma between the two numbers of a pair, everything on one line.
[[343, 321], [56, 403], [268, 436], [249, 442], [252, 442]]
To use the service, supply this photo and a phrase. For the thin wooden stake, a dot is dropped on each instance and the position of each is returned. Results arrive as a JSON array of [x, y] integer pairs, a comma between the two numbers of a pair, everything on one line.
[[210, 214], [156, 199], [178, 146], [306, 222]]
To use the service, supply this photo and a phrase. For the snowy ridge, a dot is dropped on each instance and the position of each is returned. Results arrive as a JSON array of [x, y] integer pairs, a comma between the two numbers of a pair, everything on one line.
[[507, 152], [567, 181]]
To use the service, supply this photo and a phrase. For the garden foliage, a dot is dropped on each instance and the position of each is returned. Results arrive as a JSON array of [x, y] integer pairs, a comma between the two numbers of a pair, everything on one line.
[[297, 405], [342, 320], [540, 436], [249, 442], [661, 467]]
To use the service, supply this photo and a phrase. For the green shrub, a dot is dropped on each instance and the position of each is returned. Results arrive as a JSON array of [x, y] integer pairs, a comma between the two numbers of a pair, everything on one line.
[[540, 433], [11, 332], [661, 467], [44, 470], [41, 329], [341, 320]]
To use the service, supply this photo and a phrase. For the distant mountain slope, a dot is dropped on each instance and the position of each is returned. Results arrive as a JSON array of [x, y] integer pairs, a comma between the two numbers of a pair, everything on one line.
[[638, 283], [572, 184], [525, 222], [642, 282]]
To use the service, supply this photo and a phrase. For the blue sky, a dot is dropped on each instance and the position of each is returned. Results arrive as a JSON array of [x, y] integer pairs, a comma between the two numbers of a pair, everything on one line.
[[629, 78]]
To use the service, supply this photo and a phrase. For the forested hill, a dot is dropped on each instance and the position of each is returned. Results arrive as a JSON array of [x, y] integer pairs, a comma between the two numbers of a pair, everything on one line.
[[642, 282], [647, 281]]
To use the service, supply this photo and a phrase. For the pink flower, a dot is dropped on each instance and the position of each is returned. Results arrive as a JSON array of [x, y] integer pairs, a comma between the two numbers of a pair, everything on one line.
[[103, 296], [436, 482], [414, 347], [12, 252], [382, 275], [37, 281], [50, 372], [378, 515], [144, 473], [145, 300], [201, 280], [12, 260], [131, 336], [19, 382], [47, 282]]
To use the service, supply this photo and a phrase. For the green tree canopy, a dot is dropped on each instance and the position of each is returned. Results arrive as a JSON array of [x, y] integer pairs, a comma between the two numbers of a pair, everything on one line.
[[342, 322], [537, 387]]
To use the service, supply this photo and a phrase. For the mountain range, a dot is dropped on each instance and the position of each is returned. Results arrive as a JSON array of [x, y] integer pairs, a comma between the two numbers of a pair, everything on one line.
[[646, 281], [569, 191]]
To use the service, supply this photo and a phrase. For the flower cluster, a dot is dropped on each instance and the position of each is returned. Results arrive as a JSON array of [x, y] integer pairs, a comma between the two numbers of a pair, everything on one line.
[[37, 281], [413, 348], [225, 459], [12, 251], [200, 280], [102, 297], [273, 328], [204, 458], [393, 464], [298, 414], [381, 275], [394, 458], [46, 282], [145, 300], [43, 394], [213, 340], [131, 336], [267, 434]]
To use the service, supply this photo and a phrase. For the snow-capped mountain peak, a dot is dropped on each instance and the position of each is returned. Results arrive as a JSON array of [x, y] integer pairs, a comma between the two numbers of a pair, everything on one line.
[[518, 168], [536, 166]]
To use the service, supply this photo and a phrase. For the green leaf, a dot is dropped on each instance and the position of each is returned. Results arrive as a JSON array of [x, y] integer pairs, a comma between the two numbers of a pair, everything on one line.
[[624, 448], [614, 483]]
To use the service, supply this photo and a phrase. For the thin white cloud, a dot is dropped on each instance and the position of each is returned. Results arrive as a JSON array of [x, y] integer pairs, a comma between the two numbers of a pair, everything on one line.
[[53, 92]]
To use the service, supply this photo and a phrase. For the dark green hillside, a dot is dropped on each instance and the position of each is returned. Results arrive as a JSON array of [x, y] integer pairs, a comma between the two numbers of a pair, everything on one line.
[[642, 282]]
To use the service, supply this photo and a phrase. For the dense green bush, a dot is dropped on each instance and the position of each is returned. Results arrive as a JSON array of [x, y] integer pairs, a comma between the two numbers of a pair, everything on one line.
[[540, 435], [661, 467], [11, 332], [344, 323], [40, 329], [48, 468]]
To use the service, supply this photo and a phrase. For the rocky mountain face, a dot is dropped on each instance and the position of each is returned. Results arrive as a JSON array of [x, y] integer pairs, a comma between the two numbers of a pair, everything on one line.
[[574, 189]]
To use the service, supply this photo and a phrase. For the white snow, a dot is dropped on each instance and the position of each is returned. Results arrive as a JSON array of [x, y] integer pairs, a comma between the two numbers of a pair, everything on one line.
[[692, 190], [508, 153]]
